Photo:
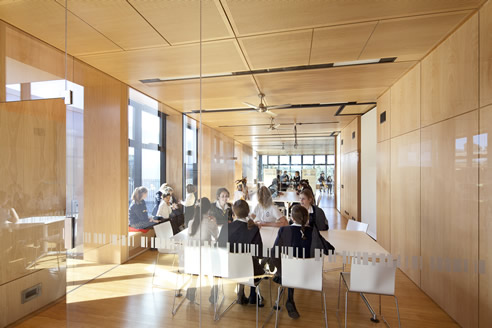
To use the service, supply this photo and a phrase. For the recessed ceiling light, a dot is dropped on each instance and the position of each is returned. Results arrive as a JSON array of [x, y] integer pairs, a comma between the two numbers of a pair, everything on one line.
[[357, 62]]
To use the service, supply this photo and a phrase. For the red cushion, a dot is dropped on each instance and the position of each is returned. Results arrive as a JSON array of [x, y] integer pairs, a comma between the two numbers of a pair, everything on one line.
[[138, 230]]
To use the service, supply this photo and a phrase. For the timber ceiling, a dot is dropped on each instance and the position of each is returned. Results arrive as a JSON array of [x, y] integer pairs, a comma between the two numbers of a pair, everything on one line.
[[136, 40]]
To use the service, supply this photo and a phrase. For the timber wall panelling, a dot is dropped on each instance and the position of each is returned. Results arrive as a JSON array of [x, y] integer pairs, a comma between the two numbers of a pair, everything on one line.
[[174, 148], [444, 124], [105, 161], [383, 194], [485, 219], [3, 73], [350, 170]]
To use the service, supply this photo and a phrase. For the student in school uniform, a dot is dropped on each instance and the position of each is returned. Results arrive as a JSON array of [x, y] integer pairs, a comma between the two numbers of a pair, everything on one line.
[[241, 233], [221, 209], [189, 203], [304, 240], [266, 213], [317, 216]]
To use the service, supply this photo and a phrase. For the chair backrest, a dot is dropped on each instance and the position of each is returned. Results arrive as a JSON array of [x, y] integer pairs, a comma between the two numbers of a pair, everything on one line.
[[373, 277], [197, 260], [240, 268], [357, 226], [163, 233], [302, 273]]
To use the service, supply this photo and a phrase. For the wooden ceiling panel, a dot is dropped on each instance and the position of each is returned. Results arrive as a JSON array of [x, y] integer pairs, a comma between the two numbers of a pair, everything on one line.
[[46, 21], [170, 62], [118, 21], [259, 16], [356, 110], [338, 84], [220, 92], [278, 50], [179, 21], [410, 38], [340, 43]]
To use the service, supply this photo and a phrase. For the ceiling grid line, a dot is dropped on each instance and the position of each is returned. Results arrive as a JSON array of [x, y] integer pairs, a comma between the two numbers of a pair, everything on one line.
[[152, 26], [369, 38], [95, 29], [311, 47]]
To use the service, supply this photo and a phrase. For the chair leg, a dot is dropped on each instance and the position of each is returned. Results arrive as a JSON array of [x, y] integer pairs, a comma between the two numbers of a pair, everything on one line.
[[257, 290], [346, 307], [397, 312], [339, 286], [278, 305], [155, 267], [324, 305]]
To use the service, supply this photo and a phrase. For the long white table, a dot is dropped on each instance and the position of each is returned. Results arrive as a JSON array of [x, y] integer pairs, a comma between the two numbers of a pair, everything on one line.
[[352, 242], [287, 197]]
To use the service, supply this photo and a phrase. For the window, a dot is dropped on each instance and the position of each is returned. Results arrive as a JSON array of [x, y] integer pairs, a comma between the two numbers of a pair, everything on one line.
[[330, 159], [190, 152], [284, 160], [272, 160], [296, 160], [146, 151], [320, 159], [307, 159]]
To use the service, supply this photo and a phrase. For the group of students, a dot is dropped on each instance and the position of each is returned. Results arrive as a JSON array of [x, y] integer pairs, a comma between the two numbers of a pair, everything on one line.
[[243, 228]]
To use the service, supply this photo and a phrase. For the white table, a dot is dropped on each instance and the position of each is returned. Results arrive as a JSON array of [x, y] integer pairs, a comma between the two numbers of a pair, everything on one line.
[[351, 243], [287, 198]]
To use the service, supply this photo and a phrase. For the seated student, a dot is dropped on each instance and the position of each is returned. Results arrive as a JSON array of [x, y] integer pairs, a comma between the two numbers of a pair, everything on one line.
[[274, 190], [164, 213], [137, 213], [266, 213], [239, 194], [317, 216], [296, 179], [241, 233], [189, 203], [206, 224], [203, 228], [304, 240], [221, 209], [284, 181]]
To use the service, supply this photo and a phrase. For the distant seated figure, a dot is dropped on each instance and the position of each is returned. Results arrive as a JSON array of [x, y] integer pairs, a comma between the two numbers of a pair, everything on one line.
[[296, 179], [284, 181], [205, 224], [274, 188], [239, 194], [189, 203], [137, 213]]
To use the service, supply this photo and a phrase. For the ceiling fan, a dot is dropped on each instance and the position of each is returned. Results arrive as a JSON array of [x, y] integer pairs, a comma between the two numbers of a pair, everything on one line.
[[262, 108]]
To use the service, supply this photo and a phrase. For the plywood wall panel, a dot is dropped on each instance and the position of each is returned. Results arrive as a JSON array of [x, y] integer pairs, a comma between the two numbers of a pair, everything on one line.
[[351, 136], [383, 196], [450, 76], [3, 74], [384, 105], [486, 54], [449, 215], [405, 202], [405, 103], [485, 210], [32, 144], [105, 158]]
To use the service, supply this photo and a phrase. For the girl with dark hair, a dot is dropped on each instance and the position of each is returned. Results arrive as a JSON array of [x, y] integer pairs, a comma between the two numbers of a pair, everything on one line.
[[221, 209], [189, 203], [304, 240], [317, 216], [137, 213], [203, 222]]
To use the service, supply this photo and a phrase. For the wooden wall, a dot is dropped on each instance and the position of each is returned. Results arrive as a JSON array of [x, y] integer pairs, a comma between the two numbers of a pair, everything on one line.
[[32, 144], [433, 172], [350, 170], [105, 162], [174, 149]]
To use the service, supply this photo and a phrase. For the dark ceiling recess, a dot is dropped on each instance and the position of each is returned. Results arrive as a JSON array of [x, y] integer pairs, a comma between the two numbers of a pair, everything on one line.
[[266, 71]]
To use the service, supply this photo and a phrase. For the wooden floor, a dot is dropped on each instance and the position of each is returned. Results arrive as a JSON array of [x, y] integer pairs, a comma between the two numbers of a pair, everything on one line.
[[125, 297]]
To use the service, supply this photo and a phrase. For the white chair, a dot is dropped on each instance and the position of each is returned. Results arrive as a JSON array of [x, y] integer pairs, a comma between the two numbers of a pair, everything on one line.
[[163, 233], [369, 278], [302, 274], [240, 270], [353, 225]]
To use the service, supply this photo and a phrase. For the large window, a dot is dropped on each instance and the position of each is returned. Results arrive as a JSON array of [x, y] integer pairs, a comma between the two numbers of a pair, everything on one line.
[[291, 164], [190, 152], [146, 151]]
